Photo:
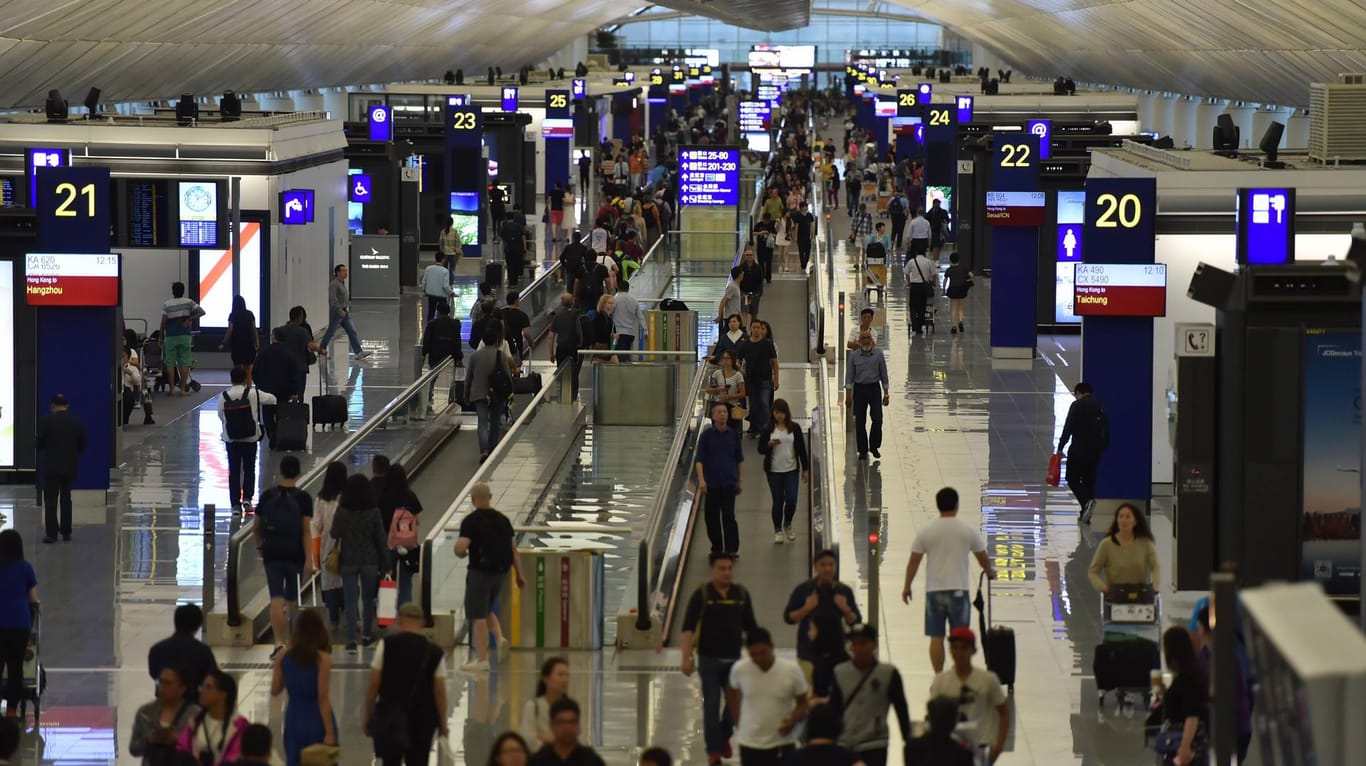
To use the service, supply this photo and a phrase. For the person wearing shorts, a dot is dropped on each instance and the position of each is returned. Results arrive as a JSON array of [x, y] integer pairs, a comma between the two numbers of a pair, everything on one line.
[[288, 553], [948, 542], [177, 322], [487, 540]]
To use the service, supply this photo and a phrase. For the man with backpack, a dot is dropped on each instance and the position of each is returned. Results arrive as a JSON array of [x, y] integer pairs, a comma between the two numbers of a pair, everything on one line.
[[570, 330], [441, 341], [283, 533], [821, 607], [593, 283], [488, 386], [239, 409], [718, 615], [1088, 428], [487, 540], [897, 208]]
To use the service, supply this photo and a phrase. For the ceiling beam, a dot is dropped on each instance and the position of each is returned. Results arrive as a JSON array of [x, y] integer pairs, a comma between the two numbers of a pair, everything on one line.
[[880, 15]]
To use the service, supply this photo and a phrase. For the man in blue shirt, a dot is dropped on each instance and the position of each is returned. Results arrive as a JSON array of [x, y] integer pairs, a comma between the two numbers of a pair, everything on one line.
[[866, 387], [719, 457], [436, 285]]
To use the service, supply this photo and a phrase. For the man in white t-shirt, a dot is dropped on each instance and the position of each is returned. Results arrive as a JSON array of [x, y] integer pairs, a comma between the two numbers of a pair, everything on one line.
[[597, 240], [983, 715], [865, 324], [730, 299], [948, 541], [767, 700]]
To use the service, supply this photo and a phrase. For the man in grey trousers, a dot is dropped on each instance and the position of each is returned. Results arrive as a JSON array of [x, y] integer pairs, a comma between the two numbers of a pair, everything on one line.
[[339, 312]]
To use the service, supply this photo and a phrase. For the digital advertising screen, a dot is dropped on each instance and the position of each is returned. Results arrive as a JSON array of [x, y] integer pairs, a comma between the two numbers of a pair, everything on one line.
[[465, 216], [1331, 547], [215, 277], [1015, 208], [147, 212], [1266, 226], [708, 177], [7, 363], [199, 213], [765, 59], [1071, 218], [1121, 290], [942, 193], [71, 279]]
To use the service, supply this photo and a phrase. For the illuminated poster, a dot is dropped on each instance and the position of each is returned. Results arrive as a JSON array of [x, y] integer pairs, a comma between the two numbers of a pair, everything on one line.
[[7, 363], [1332, 461], [215, 278], [1071, 224]]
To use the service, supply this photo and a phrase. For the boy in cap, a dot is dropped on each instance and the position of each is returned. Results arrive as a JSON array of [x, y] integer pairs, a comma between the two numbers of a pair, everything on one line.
[[984, 716]]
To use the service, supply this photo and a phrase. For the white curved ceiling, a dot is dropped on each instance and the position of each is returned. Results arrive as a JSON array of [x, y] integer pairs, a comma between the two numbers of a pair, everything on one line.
[[1256, 50], [135, 50]]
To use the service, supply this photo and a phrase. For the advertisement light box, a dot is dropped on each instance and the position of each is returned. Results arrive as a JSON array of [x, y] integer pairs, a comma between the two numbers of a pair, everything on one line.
[[1121, 290], [71, 279], [1015, 208], [709, 177]]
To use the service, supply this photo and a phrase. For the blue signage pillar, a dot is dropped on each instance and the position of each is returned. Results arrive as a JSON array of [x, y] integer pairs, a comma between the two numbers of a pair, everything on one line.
[[621, 115], [1117, 351], [558, 130], [76, 345], [940, 129], [466, 173], [1014, 251]]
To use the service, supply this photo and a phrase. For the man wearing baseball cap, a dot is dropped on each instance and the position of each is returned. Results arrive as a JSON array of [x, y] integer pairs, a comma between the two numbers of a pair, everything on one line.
[[984, 716], [864, 691]]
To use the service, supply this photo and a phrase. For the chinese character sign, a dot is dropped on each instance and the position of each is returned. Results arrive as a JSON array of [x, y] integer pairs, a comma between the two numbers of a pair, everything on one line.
[[709, 177]]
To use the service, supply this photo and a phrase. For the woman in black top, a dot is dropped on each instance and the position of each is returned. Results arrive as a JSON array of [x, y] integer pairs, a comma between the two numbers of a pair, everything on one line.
[[398, 494], [1184, 701], [241, 339], [604, 330], [957, 282]]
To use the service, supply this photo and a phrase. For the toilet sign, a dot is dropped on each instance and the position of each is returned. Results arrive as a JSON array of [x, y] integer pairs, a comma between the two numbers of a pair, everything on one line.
[[1195, 339]]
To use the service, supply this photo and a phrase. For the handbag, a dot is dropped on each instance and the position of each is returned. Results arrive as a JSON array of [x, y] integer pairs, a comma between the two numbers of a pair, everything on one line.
[[332, 564], [1168, 741], [1054, 476], [738, 413], [320, 755]]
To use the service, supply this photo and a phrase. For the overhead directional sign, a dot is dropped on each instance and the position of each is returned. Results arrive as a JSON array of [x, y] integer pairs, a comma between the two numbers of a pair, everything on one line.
[[381, 123], [709, 176], [361, 188]]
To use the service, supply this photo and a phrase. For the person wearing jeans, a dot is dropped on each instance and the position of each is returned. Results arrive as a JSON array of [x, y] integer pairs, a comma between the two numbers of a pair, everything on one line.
[[785, 464], [727, 611], [339, 312], [359, 528], [719, 457], [242, 447], [760, 359], [481, 365]]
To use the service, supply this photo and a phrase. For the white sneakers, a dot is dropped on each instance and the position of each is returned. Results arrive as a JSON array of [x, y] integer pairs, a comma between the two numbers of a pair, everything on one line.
[[778, 538], [476, 666], [790, 534]]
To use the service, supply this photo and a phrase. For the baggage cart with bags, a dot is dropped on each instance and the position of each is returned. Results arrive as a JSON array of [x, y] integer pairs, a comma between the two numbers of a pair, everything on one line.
[[998, 641], [328, 409], [1131, 620]]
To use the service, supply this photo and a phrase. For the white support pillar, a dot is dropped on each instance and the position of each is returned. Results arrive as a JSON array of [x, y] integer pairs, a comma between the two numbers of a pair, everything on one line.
[[1242, 117], [1206, 116], [1147, 111], [336, 103], [274, 102], [1183, 111], [1297, 130], [305, 101], [1163, 105]]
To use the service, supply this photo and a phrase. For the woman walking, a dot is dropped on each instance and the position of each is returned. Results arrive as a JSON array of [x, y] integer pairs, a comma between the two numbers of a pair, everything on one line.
[[727, 386], [359, 530], [552, 687], [18, 605], [241, 339], [957, 282], [450, 246], [785, 462], [604, 329], [1184, 737], [1127, 555], [159, 722], [730, 340], [214, 737], [324, 544], [784, 239], [305, 670], [399, 496]]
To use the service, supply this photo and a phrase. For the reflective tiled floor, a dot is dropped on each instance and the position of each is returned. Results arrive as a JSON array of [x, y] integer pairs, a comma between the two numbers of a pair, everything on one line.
[[955, 419]]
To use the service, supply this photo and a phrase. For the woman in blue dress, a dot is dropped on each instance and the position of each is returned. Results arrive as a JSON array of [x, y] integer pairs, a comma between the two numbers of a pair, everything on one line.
[[305, 671]]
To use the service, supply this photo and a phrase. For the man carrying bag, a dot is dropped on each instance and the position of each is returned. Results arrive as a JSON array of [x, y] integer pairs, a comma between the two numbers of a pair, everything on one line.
[[405, 703]]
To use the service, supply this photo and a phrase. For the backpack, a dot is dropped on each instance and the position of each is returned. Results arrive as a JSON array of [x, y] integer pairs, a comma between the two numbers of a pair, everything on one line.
[[493, 558], [403, 530], [584, 324], [672, 304], [239, 419], [897, 206], [500, 383], [281, 526], [874, 251]]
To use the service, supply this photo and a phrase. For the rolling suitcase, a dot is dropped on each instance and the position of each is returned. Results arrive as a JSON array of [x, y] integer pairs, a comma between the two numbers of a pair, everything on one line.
[[493, 274], [328, 409], [530, 383], [998, 641], [291, 426]]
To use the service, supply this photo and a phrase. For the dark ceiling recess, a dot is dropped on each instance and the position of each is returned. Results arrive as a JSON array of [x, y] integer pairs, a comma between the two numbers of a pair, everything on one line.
[[763, 15]]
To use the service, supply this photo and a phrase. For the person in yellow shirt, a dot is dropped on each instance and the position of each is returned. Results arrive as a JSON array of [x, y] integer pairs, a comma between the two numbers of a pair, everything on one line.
[[1127, 555]]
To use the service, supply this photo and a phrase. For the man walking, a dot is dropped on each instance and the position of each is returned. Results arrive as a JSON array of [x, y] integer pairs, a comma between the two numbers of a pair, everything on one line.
[[821, 608], [867, 388], [480, 391], [305, 350], [718, 463], [513, 235], [441, 341], [865, 324], [767, 701], [939, 226], [516, 326], [731, 300], [565, 750], [239, 410], [1088, 428], [920, 234], [725, 609], [627, 317], [283, 533], [61, 441], [486, 539], [760, 359], [405, 701], [751, 283], [436, 285], [948, 541], [569, 332], [983, 713], [339, 312], [861, 230], [277, 374], [919, 272], [805, 223], [184, 651], [897, 209], [177, 322], [865, 690]]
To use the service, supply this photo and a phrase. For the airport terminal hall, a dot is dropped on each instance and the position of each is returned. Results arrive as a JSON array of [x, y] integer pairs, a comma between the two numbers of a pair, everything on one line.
[[747, 382]]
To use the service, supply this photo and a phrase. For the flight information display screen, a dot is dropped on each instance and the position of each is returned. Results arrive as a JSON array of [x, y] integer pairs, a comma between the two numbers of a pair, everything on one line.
[[199, 213], [71, 279], [147, 217], [1121, 290]]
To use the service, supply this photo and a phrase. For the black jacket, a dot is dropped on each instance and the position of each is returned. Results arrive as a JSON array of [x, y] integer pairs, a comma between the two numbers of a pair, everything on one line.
[[798, 445], [61, 439], [442, 340], [1087, 427], [276, 371], [185, 652]]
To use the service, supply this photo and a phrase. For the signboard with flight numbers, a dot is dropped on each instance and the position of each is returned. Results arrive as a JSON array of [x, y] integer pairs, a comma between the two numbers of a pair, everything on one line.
[[906, 103], [1121, 220], [1015, 162], [708, 177]]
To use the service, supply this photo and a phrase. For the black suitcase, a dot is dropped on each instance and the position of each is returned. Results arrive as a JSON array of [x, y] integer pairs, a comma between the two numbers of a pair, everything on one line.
[[998, 641], [672, 304], [328, 409], [1124, 664], [527, 384], [291, 426], [493, 274]]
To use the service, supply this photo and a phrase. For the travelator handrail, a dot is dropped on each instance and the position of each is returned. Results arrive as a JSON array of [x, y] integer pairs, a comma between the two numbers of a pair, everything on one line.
[[237, 545]]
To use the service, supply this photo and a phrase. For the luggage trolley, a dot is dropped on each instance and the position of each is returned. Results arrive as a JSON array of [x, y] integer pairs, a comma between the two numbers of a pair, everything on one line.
[[35, 676], [1131, 622]]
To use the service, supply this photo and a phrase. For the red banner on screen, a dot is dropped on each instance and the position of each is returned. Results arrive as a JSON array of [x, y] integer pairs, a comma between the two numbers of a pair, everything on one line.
[[71, 291], [1120, 301]]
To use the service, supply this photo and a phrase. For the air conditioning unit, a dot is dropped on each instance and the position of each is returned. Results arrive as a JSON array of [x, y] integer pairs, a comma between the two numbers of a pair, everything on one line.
[[1336, 113]]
